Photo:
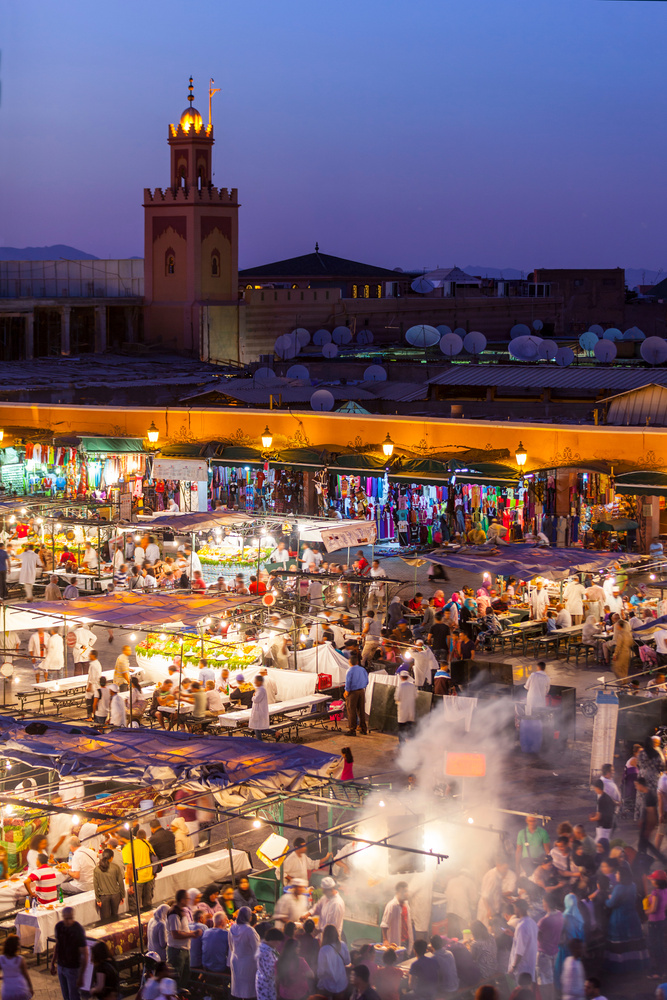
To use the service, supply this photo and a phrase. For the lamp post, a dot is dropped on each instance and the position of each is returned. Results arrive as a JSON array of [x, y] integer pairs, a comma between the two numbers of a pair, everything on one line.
[[267, 441], [388, 446], [152, 433], [521, 455], [2, 435]]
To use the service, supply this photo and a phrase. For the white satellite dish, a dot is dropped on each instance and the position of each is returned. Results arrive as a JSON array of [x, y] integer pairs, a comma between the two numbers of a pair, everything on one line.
[[365, 336], [596, 328], [519, 330], [265, 373], [612, 334], [451, 344], [537, 325], [474, 342], [547, 350], [460, 332], [375, 373], [329, 350], [341, 335], [286, 346], [525, 348], [605, 351], [443, 329], [588, 340], [302, 336], [298, 371], [654, 350], [322, 399], [634, 333], [564, 357], [422, 285], [422, 336], [321, 337]]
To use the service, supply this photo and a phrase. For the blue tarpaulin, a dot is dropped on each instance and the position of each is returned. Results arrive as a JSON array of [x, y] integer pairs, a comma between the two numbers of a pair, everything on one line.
[[155, 757], [523, 560]]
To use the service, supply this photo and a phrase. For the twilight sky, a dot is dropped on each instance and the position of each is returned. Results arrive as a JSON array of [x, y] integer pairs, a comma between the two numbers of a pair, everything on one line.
[[508, 133]]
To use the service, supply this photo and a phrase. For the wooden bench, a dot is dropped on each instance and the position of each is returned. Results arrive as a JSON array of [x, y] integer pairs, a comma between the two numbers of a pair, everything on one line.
[[205, 983], [579, 648], [71, 700]]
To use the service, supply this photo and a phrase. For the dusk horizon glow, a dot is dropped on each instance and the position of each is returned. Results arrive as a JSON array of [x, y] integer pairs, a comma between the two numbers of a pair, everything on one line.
[[507, 134]]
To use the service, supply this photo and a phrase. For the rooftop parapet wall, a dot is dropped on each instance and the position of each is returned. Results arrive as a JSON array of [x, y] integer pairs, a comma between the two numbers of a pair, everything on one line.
[[191, 196]]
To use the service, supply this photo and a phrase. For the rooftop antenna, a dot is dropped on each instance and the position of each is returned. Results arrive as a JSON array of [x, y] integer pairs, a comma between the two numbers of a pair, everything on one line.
[[211, 91]]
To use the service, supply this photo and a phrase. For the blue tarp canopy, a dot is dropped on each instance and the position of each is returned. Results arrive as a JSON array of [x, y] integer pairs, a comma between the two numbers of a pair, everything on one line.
[[152, 757], [651, 626], [523, 560]]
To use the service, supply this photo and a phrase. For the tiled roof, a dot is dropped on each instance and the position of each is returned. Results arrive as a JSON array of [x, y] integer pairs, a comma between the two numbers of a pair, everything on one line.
[[601, 378], [318, 265]]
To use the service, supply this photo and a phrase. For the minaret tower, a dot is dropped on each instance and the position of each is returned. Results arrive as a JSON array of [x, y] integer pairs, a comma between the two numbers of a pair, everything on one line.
[[191, 248]]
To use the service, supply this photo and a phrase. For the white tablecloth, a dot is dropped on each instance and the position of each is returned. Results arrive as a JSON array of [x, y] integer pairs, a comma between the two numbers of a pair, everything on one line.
[[39, 924], [322, 659], [234, 719], [289, 683]]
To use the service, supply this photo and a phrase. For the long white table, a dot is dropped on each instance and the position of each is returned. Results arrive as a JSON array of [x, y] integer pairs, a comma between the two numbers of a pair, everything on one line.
[[233, 720], [35, 926]]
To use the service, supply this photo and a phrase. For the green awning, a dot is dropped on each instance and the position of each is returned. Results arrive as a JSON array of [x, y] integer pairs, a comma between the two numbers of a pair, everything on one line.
[[113, 446], [642, 484]]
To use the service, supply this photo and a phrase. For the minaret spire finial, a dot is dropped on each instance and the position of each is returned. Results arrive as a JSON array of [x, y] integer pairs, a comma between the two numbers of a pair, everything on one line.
[[191, 95], [211, 91]]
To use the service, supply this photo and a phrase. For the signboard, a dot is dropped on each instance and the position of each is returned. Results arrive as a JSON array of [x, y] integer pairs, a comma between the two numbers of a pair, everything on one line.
[[193, 470], [125, 506], [352, 533]]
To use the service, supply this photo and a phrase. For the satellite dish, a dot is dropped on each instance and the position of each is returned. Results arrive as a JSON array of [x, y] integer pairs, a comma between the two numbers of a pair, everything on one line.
[[596, 328], [634, 333], [365, 336], [612, 334], [474, 342], [654, 350], [605, 351], [547, 350], [265, 373], [525, 348], [537, 325], [322, 399], [519, 330], [422, 336], [422, 285], [375, 373], [341, 335], [321, 337], [286, 346], [329, 350], [451, 344], [564, 357], [301, 335], [460, 332], [298, 371], [588, 340], [443, 329]]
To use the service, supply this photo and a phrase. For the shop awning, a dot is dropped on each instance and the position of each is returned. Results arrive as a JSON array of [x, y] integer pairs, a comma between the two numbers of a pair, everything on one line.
[[198, 521], [113, 446], [155, 757], [525, 560], [642, 484], [140, 610]]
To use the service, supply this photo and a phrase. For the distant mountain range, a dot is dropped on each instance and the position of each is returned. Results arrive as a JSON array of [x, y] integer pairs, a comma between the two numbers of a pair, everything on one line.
[[60, 250]]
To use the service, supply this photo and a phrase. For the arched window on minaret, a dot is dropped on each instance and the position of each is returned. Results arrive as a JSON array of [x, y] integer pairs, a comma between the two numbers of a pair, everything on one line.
[[200, 179], [215, 264], [169, 262], [181, 177]]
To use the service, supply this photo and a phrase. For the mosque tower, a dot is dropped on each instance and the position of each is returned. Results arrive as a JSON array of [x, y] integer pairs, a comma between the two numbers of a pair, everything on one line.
[[191, 248]]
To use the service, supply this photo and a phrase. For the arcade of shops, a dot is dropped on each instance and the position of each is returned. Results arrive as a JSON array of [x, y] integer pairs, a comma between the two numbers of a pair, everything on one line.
[[421, 481]]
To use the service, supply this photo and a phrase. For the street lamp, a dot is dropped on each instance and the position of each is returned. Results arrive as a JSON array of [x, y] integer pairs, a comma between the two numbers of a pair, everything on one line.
[[267, 439], [2, 436], [153, 433], [388, 446], [521, 455]]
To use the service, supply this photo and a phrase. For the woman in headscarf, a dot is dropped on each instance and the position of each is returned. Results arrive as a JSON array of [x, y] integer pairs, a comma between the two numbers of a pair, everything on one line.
[[209, 901], [243, 894], [267, 961], [184, 845], [483, 601], [589, 632], [194, 896], [626, 948], [574, 929], [227, 901], [156, 933], [243, 947]]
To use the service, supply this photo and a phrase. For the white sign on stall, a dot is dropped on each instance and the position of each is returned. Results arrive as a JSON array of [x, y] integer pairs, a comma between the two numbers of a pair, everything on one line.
[[192, 470]]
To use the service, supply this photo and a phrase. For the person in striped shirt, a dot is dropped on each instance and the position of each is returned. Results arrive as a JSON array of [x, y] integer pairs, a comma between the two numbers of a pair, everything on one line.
[[42, 884]]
